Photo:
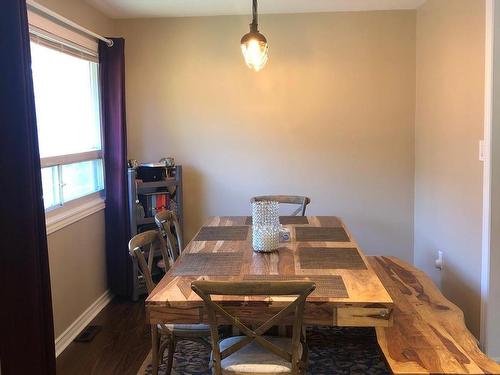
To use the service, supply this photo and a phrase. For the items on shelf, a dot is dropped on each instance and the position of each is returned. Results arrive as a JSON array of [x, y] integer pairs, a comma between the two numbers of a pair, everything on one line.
[[148, 172], [139, 210], [153, 203], [151, 172], [133, 163], [168, 162]]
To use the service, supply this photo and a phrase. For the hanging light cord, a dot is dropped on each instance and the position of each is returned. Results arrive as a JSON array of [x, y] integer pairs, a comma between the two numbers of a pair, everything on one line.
[[255, 17]]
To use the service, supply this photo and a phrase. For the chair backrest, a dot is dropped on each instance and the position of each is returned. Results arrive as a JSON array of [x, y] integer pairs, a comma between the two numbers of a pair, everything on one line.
[[166, 220], [142, 246], [287, 199], [301, 289]]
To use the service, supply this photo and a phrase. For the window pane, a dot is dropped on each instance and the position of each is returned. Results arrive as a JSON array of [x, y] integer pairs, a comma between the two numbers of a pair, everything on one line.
[[81, 179], [67, 102], [50, 185]]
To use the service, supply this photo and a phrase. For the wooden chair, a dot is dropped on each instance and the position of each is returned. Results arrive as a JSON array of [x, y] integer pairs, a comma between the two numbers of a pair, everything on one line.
[[287, 199], [255, 353], [142, 247], [166, 220]]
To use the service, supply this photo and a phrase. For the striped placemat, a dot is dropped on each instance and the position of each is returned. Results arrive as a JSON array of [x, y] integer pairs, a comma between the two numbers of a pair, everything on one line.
[[326, 285], [313, 258], [209, 264], [318, 234], [223, 233]]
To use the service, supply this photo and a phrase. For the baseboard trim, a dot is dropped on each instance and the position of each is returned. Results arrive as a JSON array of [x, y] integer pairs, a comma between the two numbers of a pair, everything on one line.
[[81, 322]]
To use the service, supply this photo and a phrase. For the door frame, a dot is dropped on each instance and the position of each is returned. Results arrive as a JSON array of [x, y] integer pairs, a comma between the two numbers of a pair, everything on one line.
[[491, 208]]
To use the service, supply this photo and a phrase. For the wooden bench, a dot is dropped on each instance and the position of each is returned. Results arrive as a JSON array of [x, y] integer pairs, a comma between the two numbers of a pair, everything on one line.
[[429, 333]]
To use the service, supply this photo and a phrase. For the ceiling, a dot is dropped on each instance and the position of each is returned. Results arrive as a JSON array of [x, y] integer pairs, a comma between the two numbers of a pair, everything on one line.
[[185, 8]]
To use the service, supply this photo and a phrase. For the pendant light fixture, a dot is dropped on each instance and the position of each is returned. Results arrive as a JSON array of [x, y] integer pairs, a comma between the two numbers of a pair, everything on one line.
[[254, 44]]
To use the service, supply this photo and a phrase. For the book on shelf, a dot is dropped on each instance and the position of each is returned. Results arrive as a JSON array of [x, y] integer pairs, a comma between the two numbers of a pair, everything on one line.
[[155, 202]]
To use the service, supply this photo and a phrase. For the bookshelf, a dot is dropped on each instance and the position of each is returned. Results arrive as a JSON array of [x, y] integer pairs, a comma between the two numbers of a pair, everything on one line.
[[172, 186]]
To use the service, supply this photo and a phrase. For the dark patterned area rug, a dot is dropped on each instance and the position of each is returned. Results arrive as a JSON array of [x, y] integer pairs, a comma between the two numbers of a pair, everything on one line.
[[331, 351]]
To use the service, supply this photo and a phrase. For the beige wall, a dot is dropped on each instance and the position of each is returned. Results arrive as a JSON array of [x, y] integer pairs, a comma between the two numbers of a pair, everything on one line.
[[77, 268], [77, 252], [331, 115], [448, 127]]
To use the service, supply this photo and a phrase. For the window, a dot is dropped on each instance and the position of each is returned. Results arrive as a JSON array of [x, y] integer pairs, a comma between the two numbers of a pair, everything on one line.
[[65, 81]]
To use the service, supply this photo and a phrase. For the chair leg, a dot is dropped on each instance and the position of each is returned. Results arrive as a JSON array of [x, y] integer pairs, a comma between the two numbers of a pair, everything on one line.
[[171, 351], [154, 349], [305, 351]]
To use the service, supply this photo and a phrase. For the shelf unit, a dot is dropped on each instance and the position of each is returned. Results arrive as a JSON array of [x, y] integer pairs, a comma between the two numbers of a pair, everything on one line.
[[172, 185]]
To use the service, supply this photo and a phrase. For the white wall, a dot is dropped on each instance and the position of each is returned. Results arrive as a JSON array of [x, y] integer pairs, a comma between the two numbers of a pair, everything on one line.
[[331, 116], [448, 127]]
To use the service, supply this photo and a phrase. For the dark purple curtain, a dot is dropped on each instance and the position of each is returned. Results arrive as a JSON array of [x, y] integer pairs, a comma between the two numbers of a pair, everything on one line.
[[112, 75], [26, 327]]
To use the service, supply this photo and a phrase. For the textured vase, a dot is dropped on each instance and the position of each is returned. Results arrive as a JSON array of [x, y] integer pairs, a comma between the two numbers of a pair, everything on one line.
[[266, 226]]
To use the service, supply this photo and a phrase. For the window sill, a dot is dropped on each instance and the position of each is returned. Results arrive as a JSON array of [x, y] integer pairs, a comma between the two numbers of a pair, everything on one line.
[[60, 218]]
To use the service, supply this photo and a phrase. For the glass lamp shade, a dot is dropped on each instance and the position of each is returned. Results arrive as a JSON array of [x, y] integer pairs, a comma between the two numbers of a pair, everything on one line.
[[254, 48]]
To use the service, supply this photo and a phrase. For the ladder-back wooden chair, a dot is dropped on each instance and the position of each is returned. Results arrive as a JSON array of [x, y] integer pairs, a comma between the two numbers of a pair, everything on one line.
[[302, 202], [143, 247], [255, 353], [169, 227]]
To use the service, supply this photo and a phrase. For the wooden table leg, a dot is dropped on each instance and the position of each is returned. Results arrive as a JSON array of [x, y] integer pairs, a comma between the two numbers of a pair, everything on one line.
[[154, 349]]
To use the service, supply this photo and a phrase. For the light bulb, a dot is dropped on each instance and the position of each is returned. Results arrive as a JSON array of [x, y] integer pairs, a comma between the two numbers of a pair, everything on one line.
[[254, 48]]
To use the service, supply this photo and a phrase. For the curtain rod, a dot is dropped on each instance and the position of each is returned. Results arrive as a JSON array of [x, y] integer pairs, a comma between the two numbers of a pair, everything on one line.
[[66, 21]]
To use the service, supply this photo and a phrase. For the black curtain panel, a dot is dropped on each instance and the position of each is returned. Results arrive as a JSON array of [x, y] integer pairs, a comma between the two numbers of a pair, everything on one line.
[[26, 326], [112, 75]]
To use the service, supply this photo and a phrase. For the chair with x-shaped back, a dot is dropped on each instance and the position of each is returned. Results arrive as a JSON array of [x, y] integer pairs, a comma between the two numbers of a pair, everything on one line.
[[170, 228], [143, 247], [255, 353]]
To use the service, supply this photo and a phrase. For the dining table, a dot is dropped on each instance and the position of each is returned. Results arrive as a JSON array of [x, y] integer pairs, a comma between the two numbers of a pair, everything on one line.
[[320, 248]]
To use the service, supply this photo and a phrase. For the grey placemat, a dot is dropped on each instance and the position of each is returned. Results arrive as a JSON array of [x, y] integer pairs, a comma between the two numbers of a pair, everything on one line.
[[326, 286], [209, 264], [330, 258], [331, 234], [285, 220], [223, 233]]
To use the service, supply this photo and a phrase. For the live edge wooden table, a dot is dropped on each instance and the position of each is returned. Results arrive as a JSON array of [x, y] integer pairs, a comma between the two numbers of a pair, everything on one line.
[[348, 293]]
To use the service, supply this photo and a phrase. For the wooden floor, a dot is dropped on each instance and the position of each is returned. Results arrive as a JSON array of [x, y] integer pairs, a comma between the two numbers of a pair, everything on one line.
[[119, 348]]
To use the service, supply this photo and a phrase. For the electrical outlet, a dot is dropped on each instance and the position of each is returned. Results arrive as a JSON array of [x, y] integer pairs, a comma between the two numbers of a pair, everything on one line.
[[439, 261]]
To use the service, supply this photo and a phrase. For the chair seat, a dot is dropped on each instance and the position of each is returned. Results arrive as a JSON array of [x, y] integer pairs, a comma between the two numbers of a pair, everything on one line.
[[254, 359], [188, 328]]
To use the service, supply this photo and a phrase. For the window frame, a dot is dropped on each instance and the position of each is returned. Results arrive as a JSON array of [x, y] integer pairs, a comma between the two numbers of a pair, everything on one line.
[[53, 161], [66, 213], [59, 162]]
